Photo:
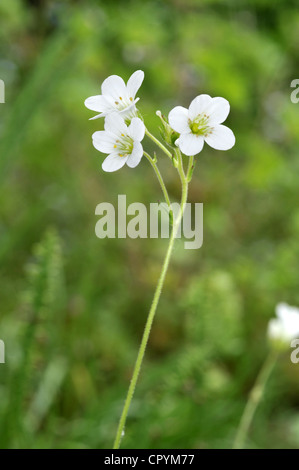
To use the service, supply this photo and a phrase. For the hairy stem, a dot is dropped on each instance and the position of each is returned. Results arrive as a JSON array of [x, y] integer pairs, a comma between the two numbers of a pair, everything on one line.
[[159, 176], [151, 315], [190, 169], [158, 143]]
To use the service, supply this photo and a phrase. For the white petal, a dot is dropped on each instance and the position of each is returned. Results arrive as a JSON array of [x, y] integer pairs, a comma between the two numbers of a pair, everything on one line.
[[97, 103], [217, 110], [190, 144], [178, 119], [199, 105], [129, 111], [103, 141], [222, 138], [114, 123], [136, 129], [282, 310], [136, 155], [275, 330], [97, 116], [114, 86], [113, 162], [289, 316], [134, 83]]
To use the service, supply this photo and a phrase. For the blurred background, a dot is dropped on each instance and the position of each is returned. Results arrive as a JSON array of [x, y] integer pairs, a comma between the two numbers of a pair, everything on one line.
[[73, 307]]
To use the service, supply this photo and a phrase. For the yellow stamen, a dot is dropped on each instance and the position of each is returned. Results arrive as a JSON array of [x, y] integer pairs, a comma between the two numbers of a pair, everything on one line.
[[120, 98], [131, 99]]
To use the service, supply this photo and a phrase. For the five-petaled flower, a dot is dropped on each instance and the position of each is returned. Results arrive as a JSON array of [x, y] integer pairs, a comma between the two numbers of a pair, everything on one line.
[[285, 327], [117, 96], [202, 122], [121, 142]]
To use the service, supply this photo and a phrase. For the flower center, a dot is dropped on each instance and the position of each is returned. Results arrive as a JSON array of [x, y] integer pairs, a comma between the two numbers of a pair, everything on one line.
[[199, 125], [123, 103], [124, 146]]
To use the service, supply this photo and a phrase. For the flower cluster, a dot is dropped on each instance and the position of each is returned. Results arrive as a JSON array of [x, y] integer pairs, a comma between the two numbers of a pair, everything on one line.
[[185, 131], [124, 130], [117, 104]]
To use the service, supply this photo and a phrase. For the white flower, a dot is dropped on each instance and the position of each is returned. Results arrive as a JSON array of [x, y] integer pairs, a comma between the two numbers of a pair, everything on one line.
[[200, 123], [116, 96], [285, 327], [120, 141]]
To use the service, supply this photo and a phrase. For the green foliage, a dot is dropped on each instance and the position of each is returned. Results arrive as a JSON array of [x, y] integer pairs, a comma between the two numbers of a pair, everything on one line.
[[73, 319], [41, 306]]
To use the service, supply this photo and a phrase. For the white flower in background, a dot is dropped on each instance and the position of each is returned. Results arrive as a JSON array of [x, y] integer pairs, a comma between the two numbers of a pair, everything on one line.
[[285, 327], [120, 141], [202, 122], [116, 96]]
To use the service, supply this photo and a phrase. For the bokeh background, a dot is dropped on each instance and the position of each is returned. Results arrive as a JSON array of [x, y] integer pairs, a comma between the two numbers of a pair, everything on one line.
[[73, 307]]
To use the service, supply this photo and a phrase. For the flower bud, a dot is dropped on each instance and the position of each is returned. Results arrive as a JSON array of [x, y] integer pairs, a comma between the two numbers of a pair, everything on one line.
[[167, 133]]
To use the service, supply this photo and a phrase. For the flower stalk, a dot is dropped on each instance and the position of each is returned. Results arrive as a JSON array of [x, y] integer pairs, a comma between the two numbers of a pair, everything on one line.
[[183, 131], [152, 312], [158, 143], [255, 397], [153, 162]]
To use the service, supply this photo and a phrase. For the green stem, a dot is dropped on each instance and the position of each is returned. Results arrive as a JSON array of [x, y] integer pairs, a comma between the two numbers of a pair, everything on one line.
[[152, 312], [254, 400], [190, 168], [180, 166], [159, 176], [157, 142]]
